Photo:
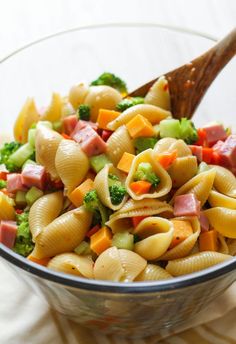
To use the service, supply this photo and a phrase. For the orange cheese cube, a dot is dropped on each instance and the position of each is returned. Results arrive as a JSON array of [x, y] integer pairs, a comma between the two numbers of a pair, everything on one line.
[[208, 241], [125, 162], [101, 240], [182, 230], [77, 195], [105, 117], [140, 126]]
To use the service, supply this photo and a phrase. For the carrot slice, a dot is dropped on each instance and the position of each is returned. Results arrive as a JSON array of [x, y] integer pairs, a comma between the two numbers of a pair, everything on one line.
[[140, 187], [207, 154], [201, 137], [208, 241], [43, 261], [137, 219], [92, 231], [65, 136], [167, 159]]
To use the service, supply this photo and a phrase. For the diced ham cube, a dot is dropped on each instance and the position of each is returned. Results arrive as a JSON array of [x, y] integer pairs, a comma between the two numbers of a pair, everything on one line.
[[14, 183], [186, 205], [34, 175], [227, 151], [197, 151], [83, 124], [90, 141], [204, 222], [8, 231], [106, 134], [214, 133], [69, 123]]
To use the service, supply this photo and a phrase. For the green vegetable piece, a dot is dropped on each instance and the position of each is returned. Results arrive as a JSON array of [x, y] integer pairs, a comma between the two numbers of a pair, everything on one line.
[[97, 162], [84, 112], [156, 128], [5, 153], [92, 203], [145, 172], [83, 248], [117, 193], [31, 137], [129, 102], [3, 184], [112, 80], [21, 155], [20, 199], [57, 126], [143, 143], [32, 195], [188, 132], [46, 124], [28, 162], [136, 238], [123, 240], [203, 167], [170, 128], [23, 244]]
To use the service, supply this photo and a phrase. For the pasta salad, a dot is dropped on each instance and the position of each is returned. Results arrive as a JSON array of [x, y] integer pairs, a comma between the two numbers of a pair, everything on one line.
[[110, 187]]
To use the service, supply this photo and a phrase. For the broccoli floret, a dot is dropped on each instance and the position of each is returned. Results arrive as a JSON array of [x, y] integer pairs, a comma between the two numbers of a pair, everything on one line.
[[84, 112], [5, 152], [23, 244], [128, 102], [3, 184], [112, 80], [188, 132], [93, 204], [113, 177], [145, 172], [117, 193], [143, 143]]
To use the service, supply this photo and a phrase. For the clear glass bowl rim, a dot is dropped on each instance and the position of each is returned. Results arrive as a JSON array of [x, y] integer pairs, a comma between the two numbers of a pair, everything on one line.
[[108, 286]]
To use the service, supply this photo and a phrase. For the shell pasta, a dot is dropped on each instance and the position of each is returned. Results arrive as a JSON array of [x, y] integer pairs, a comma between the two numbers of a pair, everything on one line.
[[106, 186]]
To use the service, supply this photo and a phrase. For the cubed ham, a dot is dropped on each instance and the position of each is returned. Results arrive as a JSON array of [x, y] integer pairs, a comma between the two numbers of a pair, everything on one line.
[[34, 175], [69, 124], [90, 141], [214, 133], [14, 183], [83, 124], [106, 134], [8, 230], [197, 151], [204, 222], [227, 151], [186, 205]]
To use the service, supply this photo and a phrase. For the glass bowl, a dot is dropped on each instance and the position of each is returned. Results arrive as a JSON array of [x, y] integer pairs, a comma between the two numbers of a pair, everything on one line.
[[137, 53]]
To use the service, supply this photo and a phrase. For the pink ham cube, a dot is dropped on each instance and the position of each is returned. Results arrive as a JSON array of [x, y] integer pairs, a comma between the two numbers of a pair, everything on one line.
[[214, 133], [69, 124], [83, 124], [186, 205], [204, 222], [227, 151], [14, 183], [34, 175], [8, 231]]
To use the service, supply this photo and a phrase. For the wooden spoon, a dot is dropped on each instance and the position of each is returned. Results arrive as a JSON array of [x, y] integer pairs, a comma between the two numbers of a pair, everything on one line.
[[189, 83]]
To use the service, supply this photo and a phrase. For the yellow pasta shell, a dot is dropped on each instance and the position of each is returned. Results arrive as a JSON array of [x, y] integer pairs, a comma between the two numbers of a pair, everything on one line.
[[27, 116], [153, 273], [72, 164], [182, 170], [156, 234], [132, 264], [169, 145], [159, 94], [73, 264], [44, 211], [186, 246], [217, 199], [200, 185], [195, 262], [102, 188], [7, 211], [119, 143], [64, 234], [153, 113], [77, 95], [165, 181], [46, 145], [231, 243], [223, 247], [54, 110], [225, 181], [223, 220], [121, 220], [101, 97]]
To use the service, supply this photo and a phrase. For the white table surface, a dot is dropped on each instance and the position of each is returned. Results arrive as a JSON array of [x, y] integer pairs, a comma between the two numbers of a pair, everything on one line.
[[22, 21]]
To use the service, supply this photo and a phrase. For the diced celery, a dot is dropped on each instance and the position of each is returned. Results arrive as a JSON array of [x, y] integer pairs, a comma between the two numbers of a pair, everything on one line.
[[156, 128], [22, 154], [20, 199], [123, 240], [28, 162], [31, 137], [143, 143], [97, 162], [170, 128], [203, 167], [57, 126], [83, 248], [32, 195], [46, 124]]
